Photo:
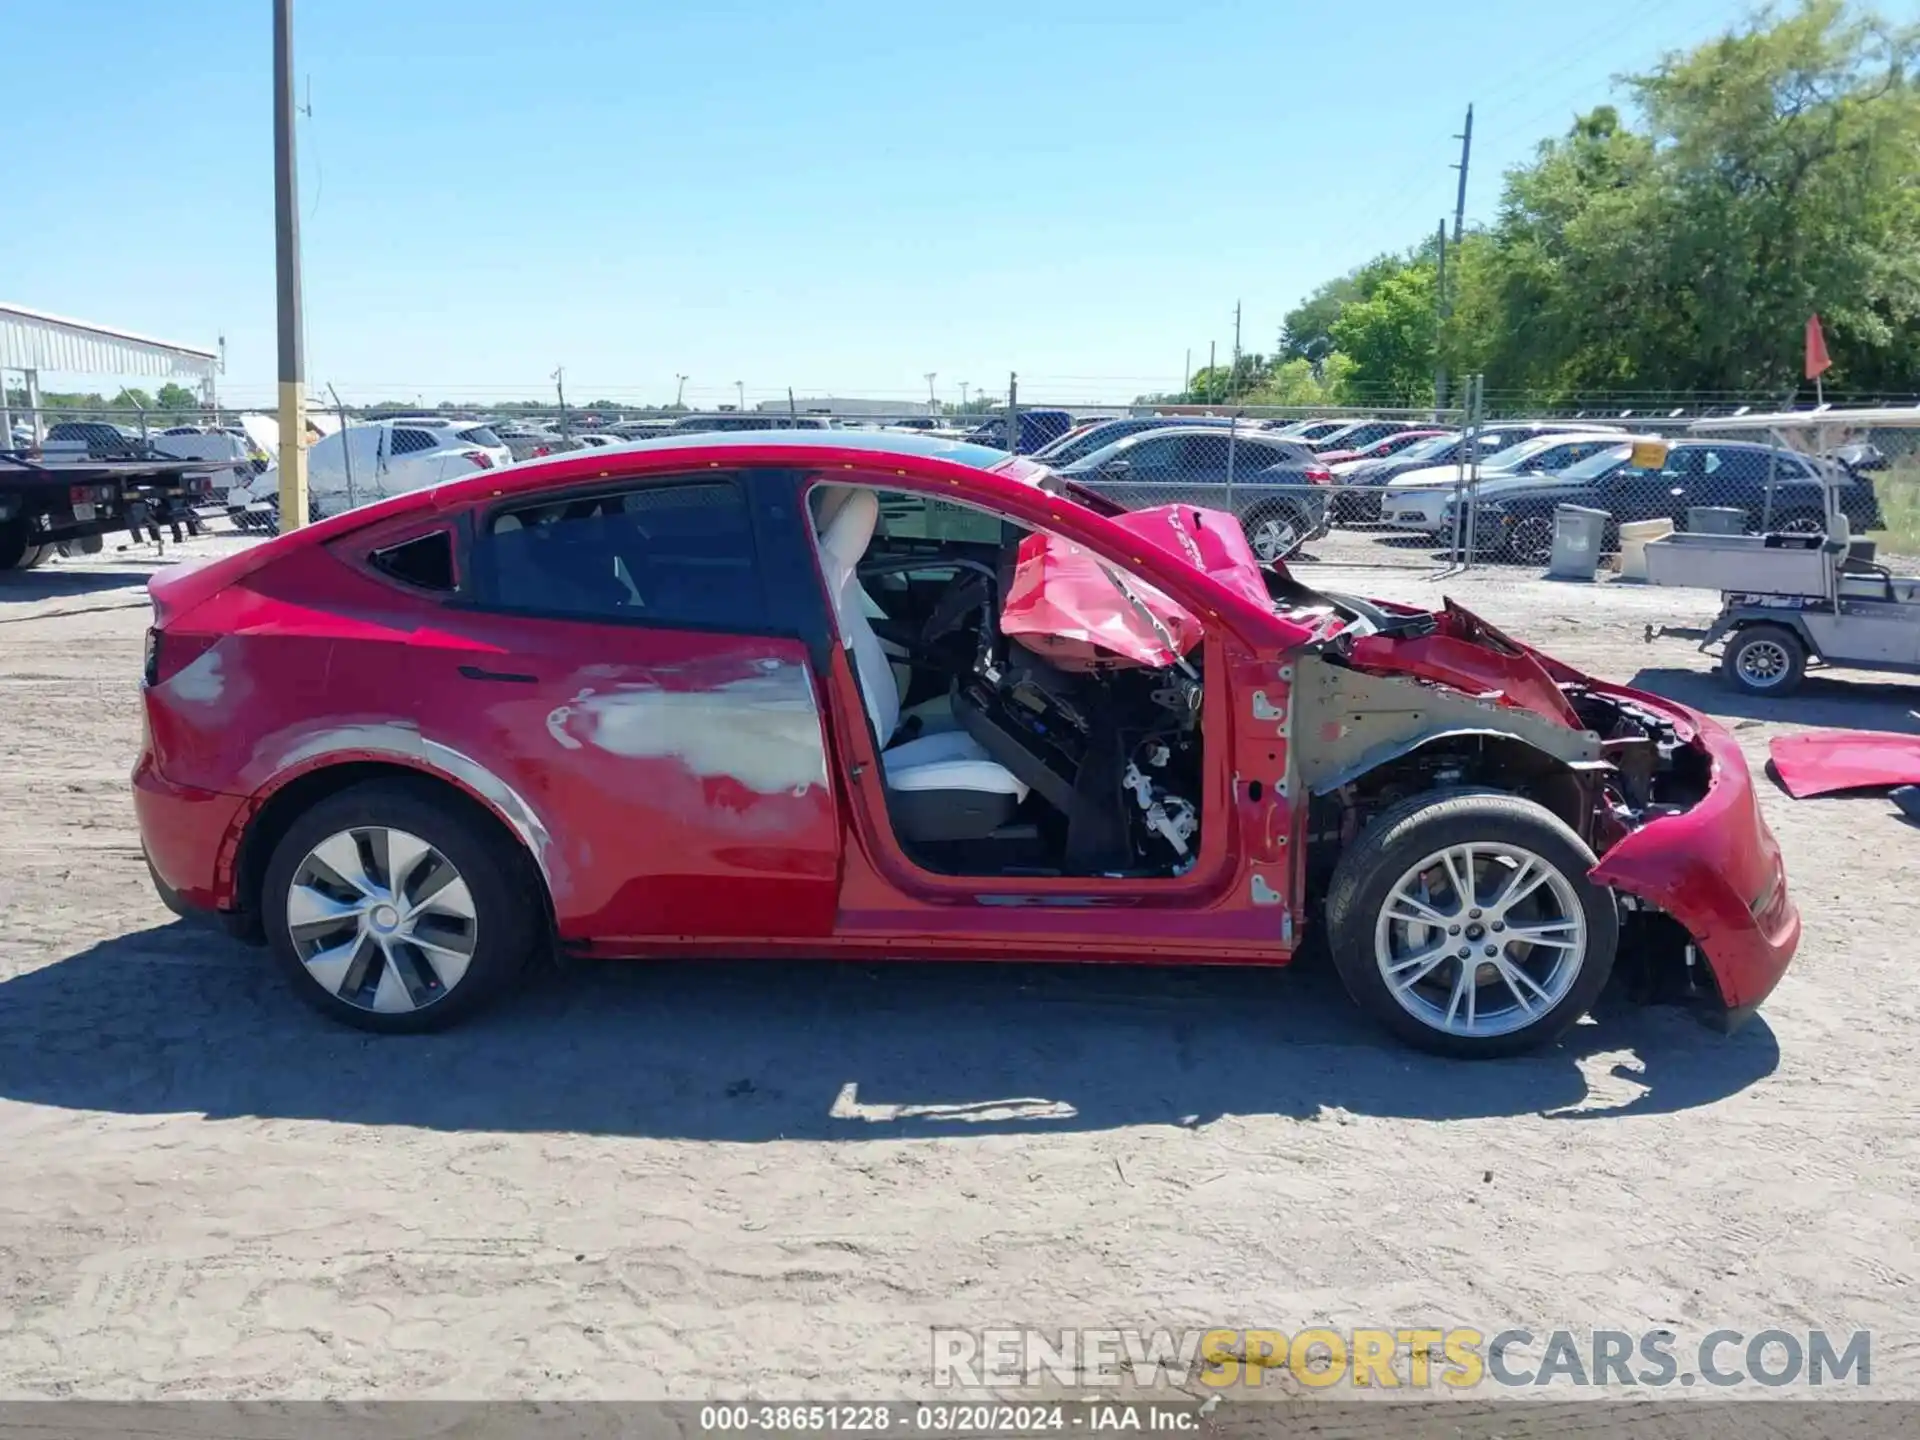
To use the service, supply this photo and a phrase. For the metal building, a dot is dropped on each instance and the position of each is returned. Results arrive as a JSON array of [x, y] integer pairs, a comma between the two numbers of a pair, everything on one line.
[[32, 341]]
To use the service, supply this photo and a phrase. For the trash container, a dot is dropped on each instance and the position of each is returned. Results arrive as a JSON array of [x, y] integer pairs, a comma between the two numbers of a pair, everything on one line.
[[1634, 535], [1716, 520], [1577, 533]]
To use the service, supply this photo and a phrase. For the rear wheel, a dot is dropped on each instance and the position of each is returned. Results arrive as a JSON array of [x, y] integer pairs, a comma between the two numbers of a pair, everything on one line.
[[1465, 923], [1765, 660], [397, 907], [1276, 530]]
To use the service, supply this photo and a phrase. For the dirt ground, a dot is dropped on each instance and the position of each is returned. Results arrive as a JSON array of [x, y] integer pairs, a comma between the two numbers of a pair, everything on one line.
[[695, 1181]]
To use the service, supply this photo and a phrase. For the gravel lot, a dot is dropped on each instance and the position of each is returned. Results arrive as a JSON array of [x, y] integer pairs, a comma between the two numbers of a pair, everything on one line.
[[685, 1181]]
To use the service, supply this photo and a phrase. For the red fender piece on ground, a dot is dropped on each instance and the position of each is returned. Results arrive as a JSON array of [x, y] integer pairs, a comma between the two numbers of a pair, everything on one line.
[[1822, 762]]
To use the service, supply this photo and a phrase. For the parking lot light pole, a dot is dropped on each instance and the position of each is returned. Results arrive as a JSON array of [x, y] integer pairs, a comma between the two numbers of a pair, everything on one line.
[[286, 218]]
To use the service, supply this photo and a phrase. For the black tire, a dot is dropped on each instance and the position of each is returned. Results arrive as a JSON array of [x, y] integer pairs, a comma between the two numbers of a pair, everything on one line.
[[1278, 514], [1798, 522], [1530, 541], [1421, 826], [500, 877], [1757, 652], [16, 551]]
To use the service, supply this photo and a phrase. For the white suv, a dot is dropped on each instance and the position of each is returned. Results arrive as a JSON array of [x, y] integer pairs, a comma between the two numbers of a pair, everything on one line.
[[369, 462]]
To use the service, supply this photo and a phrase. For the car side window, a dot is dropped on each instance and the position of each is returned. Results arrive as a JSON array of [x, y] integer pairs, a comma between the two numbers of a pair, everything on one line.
[[1209, 453], [408, 442], [1155, 458], [680, 552]]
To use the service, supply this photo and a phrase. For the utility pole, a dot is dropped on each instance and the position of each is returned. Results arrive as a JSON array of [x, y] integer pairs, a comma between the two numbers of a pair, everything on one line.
[[286, 252], [933, 405], [1186, 372], [680, 394], [963, 395], [560, 389], [1465, 137], [740, 389], [1441, 311], [1233, 376], [1212, 376]]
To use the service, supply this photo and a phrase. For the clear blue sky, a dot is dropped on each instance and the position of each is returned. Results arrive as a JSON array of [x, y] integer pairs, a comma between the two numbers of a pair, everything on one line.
[[838, 197]]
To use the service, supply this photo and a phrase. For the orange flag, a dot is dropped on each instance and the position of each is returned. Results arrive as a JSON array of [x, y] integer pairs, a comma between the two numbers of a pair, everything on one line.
[[1818, 362]]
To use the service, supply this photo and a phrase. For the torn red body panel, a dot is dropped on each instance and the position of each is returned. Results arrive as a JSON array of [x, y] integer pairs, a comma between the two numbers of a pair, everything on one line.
[[1470, 655], [1824, 762], [1071, 606]]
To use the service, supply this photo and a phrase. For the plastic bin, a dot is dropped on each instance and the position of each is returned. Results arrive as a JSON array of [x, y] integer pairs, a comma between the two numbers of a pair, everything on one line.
[[1634, 536], [1577, 533], [1715, 520]]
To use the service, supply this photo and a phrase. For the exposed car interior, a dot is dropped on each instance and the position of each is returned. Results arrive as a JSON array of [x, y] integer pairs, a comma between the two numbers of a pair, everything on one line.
[[1001, 760]]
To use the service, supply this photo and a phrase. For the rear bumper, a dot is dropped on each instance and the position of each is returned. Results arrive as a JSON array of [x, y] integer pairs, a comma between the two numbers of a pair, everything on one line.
[[188, 837], [1716, 869]]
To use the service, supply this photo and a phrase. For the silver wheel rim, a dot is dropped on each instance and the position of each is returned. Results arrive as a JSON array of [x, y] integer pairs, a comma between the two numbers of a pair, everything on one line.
[[1274, 537], [1763, 663], [381, 920], [1480, 940], [1533, 542]]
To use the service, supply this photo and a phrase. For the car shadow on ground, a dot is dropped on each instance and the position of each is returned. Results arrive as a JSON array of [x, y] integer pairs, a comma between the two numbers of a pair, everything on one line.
[[1856, 703], [177, 1019], [53, 584]]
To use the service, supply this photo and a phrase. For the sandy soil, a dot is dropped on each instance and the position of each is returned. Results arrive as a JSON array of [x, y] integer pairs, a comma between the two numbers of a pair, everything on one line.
[[680, 1181]]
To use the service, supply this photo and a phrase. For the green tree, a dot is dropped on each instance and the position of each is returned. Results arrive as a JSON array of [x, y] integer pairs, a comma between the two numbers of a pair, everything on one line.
[[177, 400], [1389, 339]]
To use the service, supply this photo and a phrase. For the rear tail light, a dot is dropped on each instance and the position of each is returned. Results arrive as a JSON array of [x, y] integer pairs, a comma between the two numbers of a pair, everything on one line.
[[1319, 475], [540, 450], [89, 494], [480, 459], [167, 655]]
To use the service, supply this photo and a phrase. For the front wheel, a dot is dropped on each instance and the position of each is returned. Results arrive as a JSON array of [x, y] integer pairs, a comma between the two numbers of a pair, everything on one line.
[[1465, 923], [1530, 542], [17, 550], [1764, 660]]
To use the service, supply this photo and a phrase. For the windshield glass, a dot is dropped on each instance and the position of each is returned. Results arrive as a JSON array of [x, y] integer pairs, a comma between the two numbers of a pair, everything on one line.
[[1515, 456], [1594, 466], [1428, 449], [1071, 447]]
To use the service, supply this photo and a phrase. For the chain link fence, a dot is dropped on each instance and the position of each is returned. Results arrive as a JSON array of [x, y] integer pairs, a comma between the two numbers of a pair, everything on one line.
[[1363, 488]]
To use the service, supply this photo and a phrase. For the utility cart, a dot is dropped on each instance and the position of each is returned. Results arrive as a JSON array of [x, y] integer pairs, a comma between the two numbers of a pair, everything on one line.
[[1789, 602]]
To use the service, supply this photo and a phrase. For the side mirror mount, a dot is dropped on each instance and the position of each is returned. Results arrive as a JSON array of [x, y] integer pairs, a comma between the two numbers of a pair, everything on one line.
[[1117, 468]]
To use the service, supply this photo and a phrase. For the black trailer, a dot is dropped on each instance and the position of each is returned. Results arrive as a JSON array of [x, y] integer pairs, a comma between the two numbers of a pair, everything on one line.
[[45, 504]]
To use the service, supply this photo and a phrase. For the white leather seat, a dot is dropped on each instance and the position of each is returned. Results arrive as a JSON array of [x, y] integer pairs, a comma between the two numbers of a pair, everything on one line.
[[947, 760]]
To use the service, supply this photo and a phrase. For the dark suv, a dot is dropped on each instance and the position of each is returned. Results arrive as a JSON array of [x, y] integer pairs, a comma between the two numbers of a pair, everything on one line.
[[103, 441], [1517, 524]]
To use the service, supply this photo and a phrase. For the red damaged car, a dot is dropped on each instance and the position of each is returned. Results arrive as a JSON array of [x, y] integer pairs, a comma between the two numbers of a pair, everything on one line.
[[829, 694]]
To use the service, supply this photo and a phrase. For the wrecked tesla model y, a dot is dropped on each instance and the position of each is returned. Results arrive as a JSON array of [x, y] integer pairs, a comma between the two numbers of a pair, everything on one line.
[[883, 696]]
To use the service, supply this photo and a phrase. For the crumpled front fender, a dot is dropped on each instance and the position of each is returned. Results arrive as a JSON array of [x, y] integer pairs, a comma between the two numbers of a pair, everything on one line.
[[1717, 870]]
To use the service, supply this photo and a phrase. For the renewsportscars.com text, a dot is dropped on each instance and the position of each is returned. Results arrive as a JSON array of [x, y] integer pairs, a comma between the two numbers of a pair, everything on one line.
[[1402, 1358]]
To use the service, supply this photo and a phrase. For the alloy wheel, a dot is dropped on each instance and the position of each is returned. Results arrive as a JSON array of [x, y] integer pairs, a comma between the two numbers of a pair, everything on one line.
[[1274, 538], [1532, 542], [1480, 940], [1763, 663], [381, 920]]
